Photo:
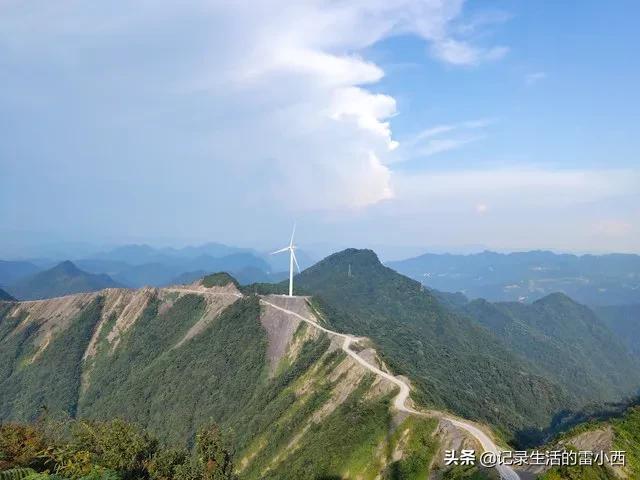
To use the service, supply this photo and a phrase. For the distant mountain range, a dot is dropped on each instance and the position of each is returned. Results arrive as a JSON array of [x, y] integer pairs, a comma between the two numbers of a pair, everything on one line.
[[135, 266], [63, 279], [527, 276], [12, 271]]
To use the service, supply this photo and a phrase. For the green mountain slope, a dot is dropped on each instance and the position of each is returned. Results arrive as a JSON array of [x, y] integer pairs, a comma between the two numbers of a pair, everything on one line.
[[624, 321], [173, 360], [63, 279], [453, 362], [619, 432], [566, 342], [4, 296]]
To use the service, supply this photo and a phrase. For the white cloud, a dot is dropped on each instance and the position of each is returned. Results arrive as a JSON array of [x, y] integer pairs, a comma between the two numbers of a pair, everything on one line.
[[534, 77], [461, 53], [270, 92], [441, 138]]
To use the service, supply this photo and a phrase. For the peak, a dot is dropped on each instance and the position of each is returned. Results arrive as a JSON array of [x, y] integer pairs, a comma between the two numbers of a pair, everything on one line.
[[67, 267], [220, 279], [556, 297], [355, 255]]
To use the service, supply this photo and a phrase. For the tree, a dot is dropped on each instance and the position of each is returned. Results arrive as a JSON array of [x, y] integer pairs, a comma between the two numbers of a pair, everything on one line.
[[213, 455]]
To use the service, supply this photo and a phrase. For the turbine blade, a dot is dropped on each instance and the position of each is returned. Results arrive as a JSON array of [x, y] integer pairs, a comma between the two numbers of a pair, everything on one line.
[[280, 251], [292, 234], [295, 260]]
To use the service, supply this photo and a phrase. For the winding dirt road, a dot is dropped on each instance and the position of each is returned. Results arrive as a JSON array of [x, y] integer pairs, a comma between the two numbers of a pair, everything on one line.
[[505, 471], [400, 401]]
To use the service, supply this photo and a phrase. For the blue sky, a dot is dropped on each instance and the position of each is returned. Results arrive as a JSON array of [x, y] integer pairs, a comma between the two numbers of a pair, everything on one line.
[[507, 124]]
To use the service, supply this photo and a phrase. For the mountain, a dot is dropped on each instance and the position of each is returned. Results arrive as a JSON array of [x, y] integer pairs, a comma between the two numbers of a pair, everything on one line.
[[615, 429], [566, 342], [173, 360], [63, 279], [211, 249], [624, 321], [453, 362], [13, 271], [141, 265], [144, 254], [131, 255], [297, 404], [5, 297], [589, 279]]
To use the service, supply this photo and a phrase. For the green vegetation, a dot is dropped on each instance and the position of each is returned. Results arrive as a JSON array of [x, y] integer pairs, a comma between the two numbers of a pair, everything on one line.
[[624, 321], [221, 375], [626, 437], [172, 390], [115, 450], [267, 289], [467, 472], [594, 472], [566, 342], [220, 279], [453, 362], [29, 382], [419, 447], [345, 441]]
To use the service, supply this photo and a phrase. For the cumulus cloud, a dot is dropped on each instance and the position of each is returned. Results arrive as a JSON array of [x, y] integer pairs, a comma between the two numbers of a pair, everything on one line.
[[213, 119], [270, 93]]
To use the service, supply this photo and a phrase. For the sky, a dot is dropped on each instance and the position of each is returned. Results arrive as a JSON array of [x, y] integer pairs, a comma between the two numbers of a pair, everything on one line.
[[417, 124]]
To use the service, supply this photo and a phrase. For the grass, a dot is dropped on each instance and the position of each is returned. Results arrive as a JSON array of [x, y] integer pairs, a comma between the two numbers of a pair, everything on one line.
[[418, 447]]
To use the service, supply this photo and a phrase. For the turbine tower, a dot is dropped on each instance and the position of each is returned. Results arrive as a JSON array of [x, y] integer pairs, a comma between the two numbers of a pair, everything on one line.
[[292, 259]]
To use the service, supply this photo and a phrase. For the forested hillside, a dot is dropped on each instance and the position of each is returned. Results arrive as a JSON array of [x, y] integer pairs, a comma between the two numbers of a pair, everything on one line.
[[566, 342], [174, 360], [454, 363], [624, 321], [618, 432]]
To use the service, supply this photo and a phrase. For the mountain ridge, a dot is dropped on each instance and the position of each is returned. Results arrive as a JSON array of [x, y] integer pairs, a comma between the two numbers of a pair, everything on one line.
[[445, 354], [589, 279], [63, 279], [283, 387]]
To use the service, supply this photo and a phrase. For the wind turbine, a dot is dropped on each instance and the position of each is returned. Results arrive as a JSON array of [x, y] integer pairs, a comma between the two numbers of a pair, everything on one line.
[[292, 259]]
